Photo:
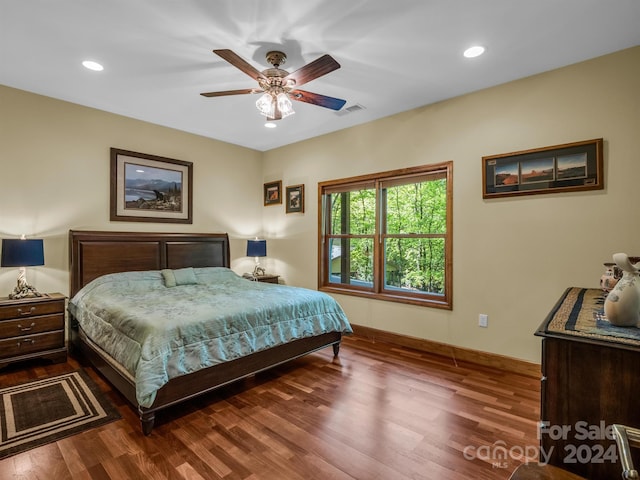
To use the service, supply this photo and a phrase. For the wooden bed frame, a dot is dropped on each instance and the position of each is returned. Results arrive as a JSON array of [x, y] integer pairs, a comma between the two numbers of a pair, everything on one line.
[[96, 253]]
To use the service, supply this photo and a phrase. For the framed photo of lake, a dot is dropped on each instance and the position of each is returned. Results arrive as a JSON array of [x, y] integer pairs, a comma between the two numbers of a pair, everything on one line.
[[149, 188], [570, 167]]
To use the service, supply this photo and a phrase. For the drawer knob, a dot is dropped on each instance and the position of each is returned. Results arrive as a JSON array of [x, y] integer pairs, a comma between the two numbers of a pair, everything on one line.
[[30, 341], [31, 310], [26, 329]]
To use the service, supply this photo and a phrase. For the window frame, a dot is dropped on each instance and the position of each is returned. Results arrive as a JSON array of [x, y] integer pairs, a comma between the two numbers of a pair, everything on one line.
[[378, 291]]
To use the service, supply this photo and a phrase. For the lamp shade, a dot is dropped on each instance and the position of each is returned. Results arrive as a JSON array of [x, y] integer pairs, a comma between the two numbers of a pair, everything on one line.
[[266, 105], [256, 248], [22, 253]]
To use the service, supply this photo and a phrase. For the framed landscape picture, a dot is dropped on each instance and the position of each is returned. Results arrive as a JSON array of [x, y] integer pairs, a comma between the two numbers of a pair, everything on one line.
[[295, 199], [149, 188], [272, 193], [570, 167]]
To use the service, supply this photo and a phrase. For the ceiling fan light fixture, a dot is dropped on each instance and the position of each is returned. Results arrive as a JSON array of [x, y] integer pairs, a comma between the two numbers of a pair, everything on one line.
[[270, 125], [284, 105], [266, 105]]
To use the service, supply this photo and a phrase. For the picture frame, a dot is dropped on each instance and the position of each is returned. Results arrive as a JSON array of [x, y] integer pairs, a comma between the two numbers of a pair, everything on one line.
[[570, 167], [150, 188], [295, 199], [272, 193]]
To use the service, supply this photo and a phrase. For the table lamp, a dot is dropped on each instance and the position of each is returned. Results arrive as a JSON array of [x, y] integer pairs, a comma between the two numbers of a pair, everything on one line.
[[22, 253], [257, 248]]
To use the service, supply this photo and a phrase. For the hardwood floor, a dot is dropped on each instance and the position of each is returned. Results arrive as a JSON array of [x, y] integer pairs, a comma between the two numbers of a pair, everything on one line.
[[375, 412]]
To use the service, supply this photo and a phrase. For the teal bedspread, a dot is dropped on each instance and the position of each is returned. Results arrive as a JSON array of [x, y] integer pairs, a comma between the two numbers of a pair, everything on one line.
[[157, 332]]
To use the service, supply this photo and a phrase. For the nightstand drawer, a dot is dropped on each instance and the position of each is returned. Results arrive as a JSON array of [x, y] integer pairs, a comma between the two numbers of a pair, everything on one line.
[[33, 309], [31, 325], [17, 346], [267, 278]]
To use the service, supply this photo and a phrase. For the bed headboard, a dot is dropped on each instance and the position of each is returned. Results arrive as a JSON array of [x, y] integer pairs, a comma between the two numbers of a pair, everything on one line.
[[96, 253]]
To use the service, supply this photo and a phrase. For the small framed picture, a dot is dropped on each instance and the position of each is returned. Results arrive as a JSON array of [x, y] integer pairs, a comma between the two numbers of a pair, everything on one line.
[[273, 193], [295, 199]]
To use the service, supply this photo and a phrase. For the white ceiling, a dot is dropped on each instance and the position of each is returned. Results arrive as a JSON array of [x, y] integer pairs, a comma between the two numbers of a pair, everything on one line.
[[395, 55]]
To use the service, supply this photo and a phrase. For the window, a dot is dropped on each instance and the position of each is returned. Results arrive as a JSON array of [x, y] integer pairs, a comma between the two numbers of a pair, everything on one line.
[[388, 235]]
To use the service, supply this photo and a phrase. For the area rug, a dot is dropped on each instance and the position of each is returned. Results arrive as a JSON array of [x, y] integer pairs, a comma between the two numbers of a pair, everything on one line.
[[43, 411]]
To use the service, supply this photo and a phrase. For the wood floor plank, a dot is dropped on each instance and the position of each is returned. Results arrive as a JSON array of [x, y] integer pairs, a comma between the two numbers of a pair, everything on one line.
[[376, 412], [123, 467], [199, 446]]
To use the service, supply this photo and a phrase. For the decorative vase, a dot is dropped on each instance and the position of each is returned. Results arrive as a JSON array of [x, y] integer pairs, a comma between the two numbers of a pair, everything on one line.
[[610, 277], [622, 305]]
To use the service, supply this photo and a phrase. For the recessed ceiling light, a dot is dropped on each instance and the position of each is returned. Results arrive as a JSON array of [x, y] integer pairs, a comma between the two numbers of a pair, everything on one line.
[[270, 125], [474, 51], [91, 65]]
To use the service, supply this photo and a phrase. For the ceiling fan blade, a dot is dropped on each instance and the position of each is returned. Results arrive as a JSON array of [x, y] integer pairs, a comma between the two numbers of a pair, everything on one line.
[[319, 67], [231, 92], [239, 63], [317, 99]]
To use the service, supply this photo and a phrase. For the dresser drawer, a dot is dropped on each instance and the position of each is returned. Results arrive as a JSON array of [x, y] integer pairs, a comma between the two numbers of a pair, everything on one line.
[[33, 309], [31, 343], [31, 325]]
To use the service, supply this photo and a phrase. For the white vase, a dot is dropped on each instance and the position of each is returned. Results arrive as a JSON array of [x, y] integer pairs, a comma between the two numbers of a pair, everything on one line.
[[622, 305]]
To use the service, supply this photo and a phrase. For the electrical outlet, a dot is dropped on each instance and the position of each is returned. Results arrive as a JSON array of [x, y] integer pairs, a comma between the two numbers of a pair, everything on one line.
[[483, 320]]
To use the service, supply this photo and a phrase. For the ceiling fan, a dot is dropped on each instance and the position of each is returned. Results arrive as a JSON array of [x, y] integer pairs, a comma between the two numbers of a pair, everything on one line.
[[279, 86]]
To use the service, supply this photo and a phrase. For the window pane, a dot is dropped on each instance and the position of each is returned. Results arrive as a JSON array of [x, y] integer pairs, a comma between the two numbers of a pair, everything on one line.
[[356, 266], [417, 207], [353, 212], [414, 265]]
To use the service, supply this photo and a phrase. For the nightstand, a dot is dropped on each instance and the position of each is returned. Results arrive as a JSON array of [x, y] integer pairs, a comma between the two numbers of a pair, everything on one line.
[[267, 278], [32, 328]]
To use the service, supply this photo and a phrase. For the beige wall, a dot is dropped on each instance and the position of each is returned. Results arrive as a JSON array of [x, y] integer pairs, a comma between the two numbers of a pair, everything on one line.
[[513, 257], [54, 176]]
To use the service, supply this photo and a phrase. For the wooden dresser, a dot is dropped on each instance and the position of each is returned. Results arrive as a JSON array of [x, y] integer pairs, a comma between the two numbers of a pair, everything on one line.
[[590, 380], [32, 328]]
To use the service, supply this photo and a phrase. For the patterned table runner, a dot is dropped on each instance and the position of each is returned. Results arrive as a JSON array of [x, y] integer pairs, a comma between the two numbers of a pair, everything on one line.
[[581, 312]]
